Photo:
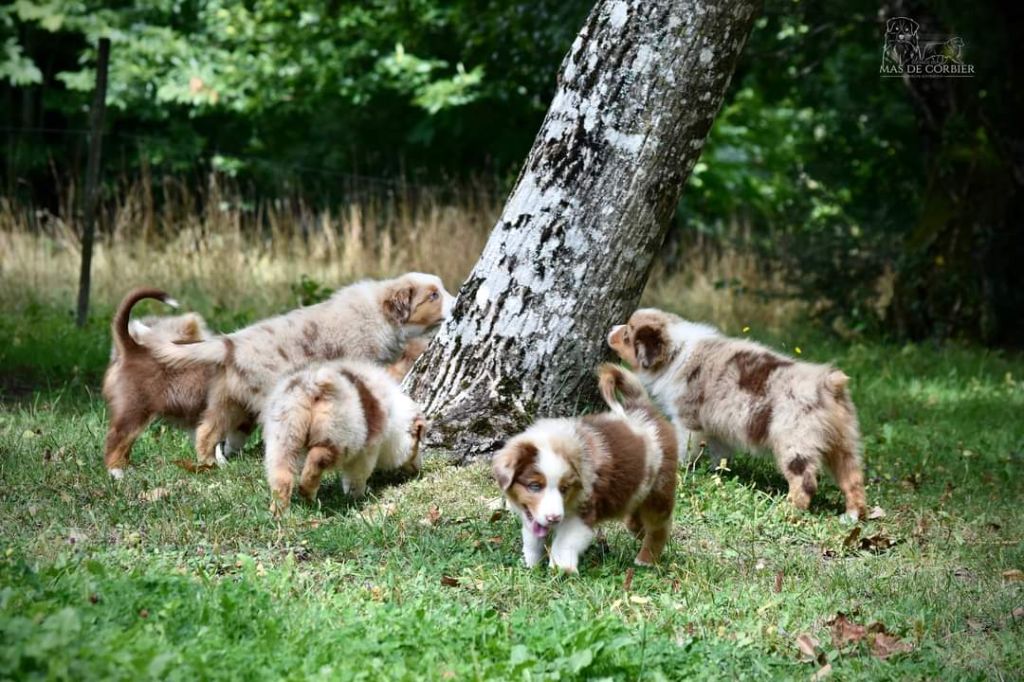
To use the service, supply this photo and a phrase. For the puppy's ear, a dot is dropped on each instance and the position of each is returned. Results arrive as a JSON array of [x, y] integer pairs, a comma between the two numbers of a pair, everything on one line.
[[398, 305], [190, 329], [512, 458], [649, 345]]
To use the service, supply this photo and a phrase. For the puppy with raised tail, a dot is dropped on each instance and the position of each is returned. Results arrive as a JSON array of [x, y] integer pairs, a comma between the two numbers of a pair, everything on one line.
[[565, 476], [731, 392], [369, 320], [138, 388], [349, 416]]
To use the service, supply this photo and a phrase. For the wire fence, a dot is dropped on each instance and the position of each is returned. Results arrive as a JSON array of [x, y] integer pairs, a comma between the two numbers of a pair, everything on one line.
[[353, 184]]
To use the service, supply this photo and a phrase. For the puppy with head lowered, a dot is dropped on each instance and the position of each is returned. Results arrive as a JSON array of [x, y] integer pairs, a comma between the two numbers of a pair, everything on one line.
[[565, 476], [369, 320], [138, 388], [741, 394], [345, 415]]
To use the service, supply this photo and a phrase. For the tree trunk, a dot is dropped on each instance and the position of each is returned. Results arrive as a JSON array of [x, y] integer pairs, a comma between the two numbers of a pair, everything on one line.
[[571, 253]]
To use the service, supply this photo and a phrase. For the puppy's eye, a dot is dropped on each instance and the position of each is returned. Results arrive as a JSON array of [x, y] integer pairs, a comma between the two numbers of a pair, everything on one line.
[[564, 488], [534, 487], [434, 296]]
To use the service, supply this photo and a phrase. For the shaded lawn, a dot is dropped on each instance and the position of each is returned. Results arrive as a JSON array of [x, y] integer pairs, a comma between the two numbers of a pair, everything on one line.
[[175, 575]]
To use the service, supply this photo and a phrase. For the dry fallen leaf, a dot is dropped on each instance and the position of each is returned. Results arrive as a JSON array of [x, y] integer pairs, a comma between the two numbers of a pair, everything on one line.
[[850, 541], [876, 513], [628, 582], [808, 647], [432, 517], [1013, 575], [884, 645], [496, 515], [845, 631], [193, 467], [448, 581], [154, 494], [879, 542], [1017, 613], [375, 511], [639, 600], [778, 582]]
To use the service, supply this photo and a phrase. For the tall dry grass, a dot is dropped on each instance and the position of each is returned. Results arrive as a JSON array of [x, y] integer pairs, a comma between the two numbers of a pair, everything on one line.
[[219, 252]]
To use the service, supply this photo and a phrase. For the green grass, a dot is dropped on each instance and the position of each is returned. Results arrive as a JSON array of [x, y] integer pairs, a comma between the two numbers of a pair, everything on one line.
[[182, 576]]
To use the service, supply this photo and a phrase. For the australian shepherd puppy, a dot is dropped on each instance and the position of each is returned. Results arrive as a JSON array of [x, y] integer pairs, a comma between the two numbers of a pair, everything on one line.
[[369, 320], [736, 393], [138, 388], [565, 476], [349, 416]]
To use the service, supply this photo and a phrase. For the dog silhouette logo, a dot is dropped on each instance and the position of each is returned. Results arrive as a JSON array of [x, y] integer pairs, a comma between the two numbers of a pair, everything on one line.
[[907, 52]]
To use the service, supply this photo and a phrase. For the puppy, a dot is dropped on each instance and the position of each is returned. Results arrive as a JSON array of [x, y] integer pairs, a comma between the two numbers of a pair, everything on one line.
[[369, 320], [741, 394], [565, 476], [137, 388], [346, 415]]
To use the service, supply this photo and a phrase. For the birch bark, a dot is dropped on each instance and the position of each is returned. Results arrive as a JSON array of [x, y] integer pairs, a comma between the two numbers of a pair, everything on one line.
[[569, 257]]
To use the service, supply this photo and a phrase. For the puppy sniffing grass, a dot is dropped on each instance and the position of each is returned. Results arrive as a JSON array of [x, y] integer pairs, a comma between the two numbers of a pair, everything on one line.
[[370, 320], [565, 476], [346, 415], [138, 388], [745, 395]]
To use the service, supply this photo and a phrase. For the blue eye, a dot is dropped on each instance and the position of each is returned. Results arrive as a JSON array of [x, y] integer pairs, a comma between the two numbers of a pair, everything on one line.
[[433, 296], [534, 487]]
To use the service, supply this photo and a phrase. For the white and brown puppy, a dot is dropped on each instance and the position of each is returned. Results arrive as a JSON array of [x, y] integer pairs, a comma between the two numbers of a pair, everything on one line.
[[369, 320], [349, 416], [138, 389], [565, 476], [745, 395]]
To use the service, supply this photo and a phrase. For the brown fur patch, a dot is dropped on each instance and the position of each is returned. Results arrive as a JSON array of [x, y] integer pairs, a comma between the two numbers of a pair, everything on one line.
[[755, 369], [760, 421], [618, 477], [229, 352], [810, 484], [398, 306], [650, 346], [372, 409], [508, 463], [283, 353], [797, 465]]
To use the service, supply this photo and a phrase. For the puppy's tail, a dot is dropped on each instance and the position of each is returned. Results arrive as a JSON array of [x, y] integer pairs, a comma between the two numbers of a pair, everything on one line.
[[612, 378], [123, 340], [214, 351]]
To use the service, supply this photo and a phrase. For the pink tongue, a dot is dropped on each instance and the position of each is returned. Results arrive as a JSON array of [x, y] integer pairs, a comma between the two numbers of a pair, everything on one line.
[[538, 530]]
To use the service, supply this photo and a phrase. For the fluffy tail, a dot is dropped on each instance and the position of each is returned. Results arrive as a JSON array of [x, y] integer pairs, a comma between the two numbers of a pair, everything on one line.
[[123, 340], [211, 352], [612, 378]]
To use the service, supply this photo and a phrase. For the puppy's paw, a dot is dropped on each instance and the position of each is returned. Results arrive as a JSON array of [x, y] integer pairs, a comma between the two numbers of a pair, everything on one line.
[[218, 455], [116, 474]]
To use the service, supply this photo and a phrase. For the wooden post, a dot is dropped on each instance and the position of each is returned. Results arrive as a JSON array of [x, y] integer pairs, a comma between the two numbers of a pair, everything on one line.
[[92, 177]]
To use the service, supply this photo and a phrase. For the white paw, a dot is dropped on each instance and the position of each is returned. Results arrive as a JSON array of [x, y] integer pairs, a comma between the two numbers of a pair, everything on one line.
[[116, 474], [218, 455], [849, 518], [567, 562], [531, 559]]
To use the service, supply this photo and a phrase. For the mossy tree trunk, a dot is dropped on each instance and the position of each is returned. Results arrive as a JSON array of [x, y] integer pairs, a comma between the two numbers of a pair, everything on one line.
[[569, 257]]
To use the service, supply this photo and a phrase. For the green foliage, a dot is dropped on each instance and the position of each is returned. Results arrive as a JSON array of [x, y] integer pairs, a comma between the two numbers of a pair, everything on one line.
[[894, 218]]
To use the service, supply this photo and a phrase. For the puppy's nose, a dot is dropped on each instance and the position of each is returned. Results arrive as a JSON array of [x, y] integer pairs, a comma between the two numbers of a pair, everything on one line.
[[553, 518]]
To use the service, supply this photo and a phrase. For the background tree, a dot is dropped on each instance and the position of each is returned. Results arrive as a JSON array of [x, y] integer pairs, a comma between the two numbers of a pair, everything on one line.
[[569, 257]]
